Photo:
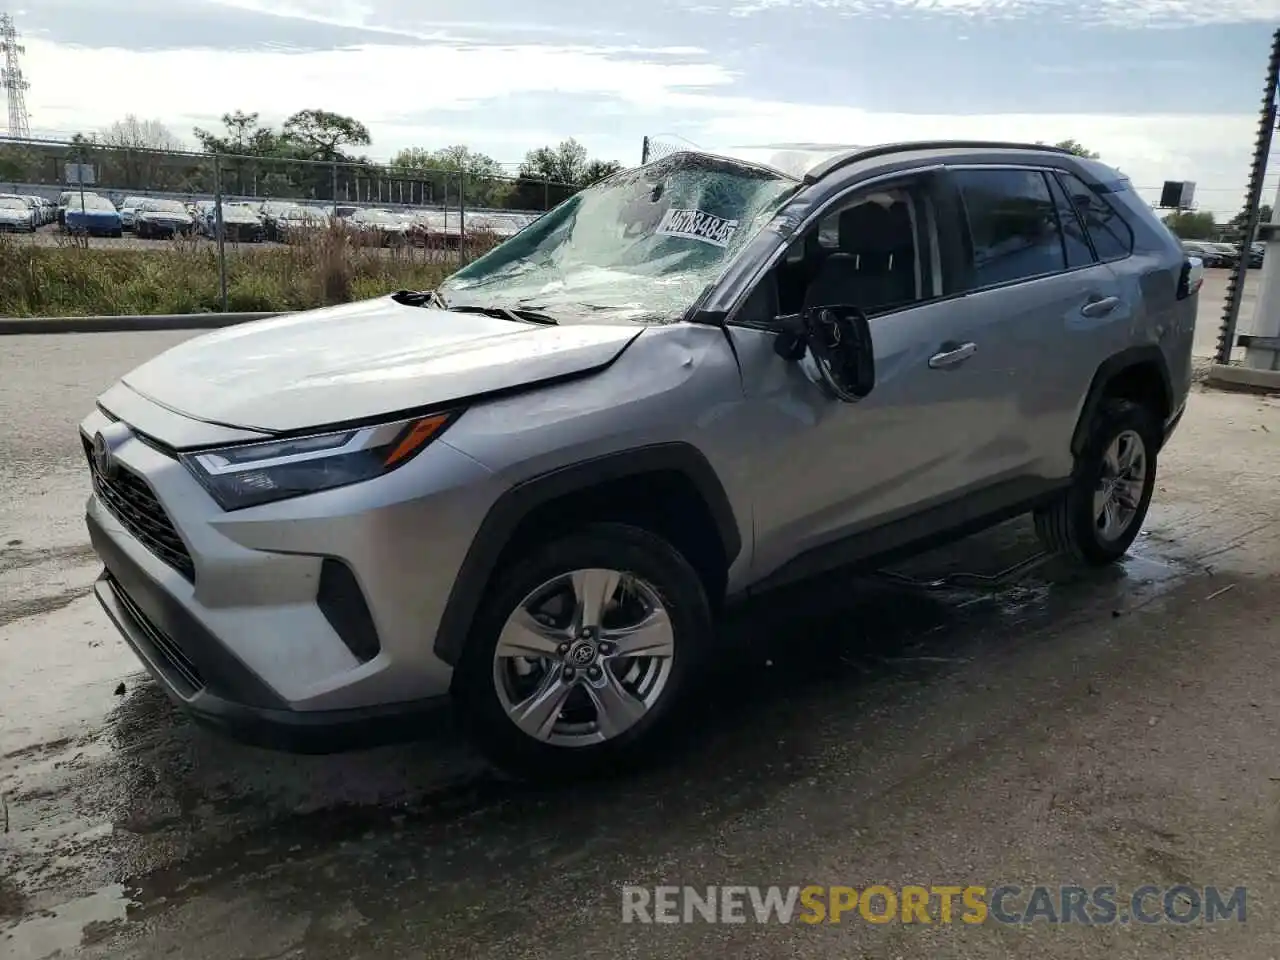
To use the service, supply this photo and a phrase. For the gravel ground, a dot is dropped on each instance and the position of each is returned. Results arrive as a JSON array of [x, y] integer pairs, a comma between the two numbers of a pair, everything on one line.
[[1070, 728]]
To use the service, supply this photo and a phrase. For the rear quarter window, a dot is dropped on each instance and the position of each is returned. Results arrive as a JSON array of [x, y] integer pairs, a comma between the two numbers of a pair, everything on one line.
[[1110, 233]]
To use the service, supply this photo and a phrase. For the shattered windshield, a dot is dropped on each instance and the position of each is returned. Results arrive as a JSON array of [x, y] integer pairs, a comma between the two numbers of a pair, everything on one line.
[[642, 245]]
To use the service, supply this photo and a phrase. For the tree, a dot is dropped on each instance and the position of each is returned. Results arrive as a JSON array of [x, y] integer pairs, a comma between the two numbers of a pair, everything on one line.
[[1237, 223], [485, 183], [1192, 225], [243, 136], [132, 133], [552, 174], [135, 153], [1075, 147], [324, 133]]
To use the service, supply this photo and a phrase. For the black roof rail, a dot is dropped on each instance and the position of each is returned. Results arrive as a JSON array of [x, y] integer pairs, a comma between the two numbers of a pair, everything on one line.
[[869, 153]]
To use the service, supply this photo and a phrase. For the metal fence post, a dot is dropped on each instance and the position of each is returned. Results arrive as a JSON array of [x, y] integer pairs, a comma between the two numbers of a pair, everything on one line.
[[219, 231], [546, 195], [333, 176], [462, 215]]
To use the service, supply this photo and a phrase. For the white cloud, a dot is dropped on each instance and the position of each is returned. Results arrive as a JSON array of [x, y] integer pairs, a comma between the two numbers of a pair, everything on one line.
[[432, 95], [1151, 13], [89, 88]]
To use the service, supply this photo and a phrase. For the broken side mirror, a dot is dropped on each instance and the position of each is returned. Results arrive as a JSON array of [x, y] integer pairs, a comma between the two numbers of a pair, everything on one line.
[[838, 338]]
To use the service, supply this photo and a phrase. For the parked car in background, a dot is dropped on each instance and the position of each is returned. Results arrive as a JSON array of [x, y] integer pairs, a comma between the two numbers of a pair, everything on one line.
[[1229, 251], [92, 215], [532, 489], [380, 228], [296, 221], [64, 199], [1208, 253], [240, 224], [16, 216], [1257, 252], [158, 219], [128, 207]]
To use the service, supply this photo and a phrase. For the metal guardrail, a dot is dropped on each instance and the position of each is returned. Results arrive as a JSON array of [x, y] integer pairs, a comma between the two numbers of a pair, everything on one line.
[[13, 326]]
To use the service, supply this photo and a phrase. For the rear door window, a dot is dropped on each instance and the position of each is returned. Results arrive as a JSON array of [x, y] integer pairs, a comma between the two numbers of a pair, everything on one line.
[[1013, 224], [1112, 237]]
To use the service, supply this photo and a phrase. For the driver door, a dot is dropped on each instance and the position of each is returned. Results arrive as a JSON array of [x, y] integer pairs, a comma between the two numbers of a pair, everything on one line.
[[929, 430]]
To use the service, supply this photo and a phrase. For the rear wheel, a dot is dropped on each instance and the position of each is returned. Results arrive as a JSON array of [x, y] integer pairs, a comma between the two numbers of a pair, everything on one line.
[[582, 654], [1097, 519]]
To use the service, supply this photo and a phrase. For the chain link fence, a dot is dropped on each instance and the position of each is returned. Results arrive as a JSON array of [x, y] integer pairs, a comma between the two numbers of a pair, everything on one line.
[[231, 198]]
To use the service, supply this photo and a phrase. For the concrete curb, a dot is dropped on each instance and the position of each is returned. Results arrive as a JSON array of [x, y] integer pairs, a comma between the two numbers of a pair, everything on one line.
[[1244, 378], [12, 326]]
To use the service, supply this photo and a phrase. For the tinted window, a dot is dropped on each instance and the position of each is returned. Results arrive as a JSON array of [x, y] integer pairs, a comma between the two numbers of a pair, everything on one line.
[[1013, 224], [1074, 239], [1112, 237]]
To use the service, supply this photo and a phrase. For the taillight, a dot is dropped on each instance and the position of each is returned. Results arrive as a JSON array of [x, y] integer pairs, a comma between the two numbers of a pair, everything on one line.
[[1191, 277]]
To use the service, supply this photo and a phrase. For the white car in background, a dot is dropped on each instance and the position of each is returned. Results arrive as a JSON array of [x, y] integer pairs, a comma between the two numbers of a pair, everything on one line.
[[16, 216], [129, 210]]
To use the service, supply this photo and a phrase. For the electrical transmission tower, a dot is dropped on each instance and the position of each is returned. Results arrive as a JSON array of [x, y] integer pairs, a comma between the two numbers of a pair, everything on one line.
[[12, 80]]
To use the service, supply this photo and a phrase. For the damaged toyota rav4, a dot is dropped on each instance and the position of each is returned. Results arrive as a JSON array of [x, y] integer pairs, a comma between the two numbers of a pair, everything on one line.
[[530, 491]]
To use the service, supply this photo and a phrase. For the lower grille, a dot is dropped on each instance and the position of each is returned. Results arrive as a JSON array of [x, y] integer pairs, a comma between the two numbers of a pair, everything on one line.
[[186, 672], [131, 501]]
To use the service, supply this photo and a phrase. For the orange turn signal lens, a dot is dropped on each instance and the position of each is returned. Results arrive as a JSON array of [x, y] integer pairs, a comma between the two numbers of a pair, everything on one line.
[[415, 438]]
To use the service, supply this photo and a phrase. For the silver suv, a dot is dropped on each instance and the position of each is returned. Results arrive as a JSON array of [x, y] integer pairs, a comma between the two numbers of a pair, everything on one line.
[[534, 488]]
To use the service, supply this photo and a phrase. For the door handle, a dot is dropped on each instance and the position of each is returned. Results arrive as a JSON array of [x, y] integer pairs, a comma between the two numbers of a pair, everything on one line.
[[1100, 307], [952, 355]]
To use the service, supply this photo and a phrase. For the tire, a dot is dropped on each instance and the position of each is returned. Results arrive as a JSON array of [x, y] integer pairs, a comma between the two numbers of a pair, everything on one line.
[[487, 689], [1071, 524]]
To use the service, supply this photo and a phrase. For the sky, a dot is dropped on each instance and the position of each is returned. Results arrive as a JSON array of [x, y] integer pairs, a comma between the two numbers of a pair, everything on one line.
[[1163, 89]]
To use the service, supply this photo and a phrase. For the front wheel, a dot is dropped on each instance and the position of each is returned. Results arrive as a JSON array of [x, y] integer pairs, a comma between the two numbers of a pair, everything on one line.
[[1097, 519], [582, 654]]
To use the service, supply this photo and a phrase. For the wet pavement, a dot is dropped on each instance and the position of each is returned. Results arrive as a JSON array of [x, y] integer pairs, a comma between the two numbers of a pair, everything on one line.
[[1062, 726]]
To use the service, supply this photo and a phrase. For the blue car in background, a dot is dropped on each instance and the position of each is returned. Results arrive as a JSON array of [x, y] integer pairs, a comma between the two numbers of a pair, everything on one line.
[[92, 215]]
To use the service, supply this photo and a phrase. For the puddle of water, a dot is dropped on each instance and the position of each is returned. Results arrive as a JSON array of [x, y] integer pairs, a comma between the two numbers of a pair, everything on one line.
[[58, 675], [64, 928]]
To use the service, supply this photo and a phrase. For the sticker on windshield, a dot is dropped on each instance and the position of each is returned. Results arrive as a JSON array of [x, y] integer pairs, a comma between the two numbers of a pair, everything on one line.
[[696, 225]]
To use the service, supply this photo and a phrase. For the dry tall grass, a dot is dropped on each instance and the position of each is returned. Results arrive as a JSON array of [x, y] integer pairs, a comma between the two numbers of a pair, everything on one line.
[[329, 266]]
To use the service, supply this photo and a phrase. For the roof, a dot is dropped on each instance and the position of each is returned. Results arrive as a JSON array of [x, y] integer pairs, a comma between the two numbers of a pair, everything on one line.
[[810, 162], [869, 153]]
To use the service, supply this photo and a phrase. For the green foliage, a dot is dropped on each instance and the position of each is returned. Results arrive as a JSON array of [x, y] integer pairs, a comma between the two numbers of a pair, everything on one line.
[[1077, 148], [310, 156], [1192, 225], [550, 175], [77, 279]]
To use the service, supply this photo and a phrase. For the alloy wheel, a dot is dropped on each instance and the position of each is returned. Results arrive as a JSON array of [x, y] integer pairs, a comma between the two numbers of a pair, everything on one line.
[[584, 657], [1118, 495]]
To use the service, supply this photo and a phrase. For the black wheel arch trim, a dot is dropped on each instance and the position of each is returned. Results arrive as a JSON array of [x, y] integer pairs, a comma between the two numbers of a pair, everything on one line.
[[1111, 368], [515, 504]]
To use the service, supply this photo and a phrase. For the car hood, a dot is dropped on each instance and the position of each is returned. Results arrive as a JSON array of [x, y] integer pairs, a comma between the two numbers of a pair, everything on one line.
[[7, 213], [364, 360], [163, 215]]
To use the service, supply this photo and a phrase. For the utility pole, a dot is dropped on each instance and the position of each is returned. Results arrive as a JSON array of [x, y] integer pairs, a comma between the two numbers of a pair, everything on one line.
[[11, 78]]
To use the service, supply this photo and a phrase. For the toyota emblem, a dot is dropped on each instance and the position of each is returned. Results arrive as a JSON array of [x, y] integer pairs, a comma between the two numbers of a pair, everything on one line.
[[104, 461]]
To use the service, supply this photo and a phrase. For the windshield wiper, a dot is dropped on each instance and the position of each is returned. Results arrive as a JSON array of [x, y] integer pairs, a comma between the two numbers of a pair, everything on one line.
[[424, 298], [507, 313], [419, 298]]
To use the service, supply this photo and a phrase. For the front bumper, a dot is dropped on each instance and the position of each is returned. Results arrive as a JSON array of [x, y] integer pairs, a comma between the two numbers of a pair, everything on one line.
[[228, 611], [189, 663]]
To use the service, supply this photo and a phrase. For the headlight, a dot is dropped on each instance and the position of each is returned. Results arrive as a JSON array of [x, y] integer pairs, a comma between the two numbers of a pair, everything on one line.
[[250, 474]]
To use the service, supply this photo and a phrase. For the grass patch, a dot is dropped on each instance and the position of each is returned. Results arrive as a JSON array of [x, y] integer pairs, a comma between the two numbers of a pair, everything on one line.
[[330, 266]]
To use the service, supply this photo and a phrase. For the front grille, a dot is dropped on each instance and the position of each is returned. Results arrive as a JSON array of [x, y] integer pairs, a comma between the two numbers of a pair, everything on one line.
[[131, 501], [181, 664]]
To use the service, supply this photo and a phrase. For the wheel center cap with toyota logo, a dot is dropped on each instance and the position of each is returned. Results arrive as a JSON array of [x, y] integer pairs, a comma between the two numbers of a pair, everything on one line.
[[582, 654]]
